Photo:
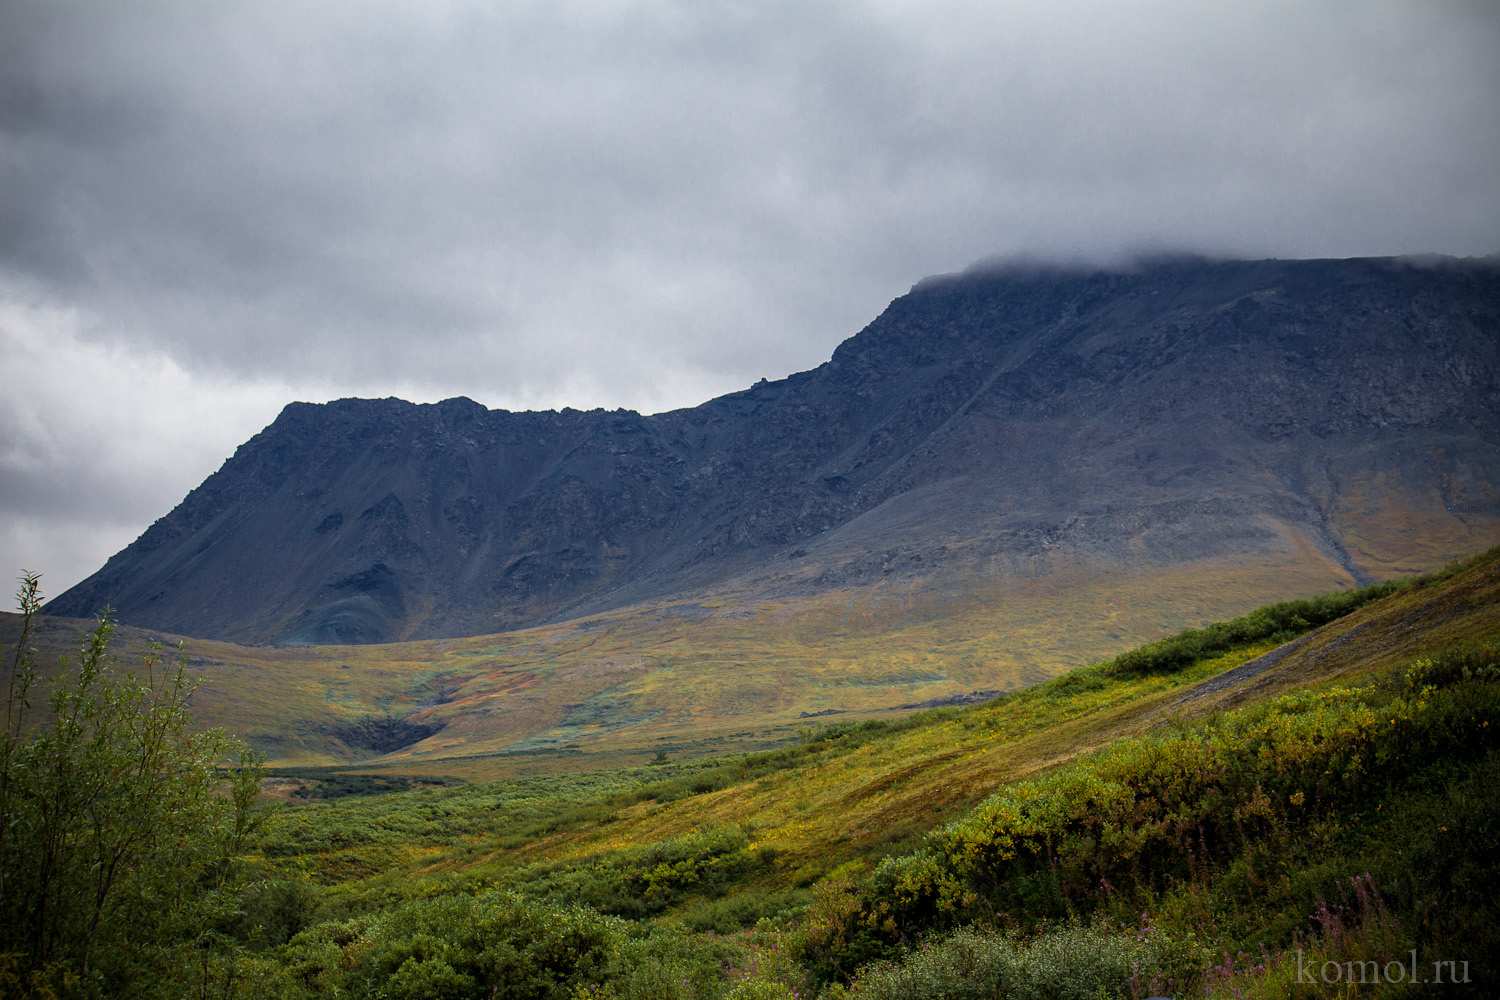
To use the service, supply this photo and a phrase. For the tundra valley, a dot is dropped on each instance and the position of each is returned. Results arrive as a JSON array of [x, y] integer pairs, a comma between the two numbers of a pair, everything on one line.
[[1069, 633]]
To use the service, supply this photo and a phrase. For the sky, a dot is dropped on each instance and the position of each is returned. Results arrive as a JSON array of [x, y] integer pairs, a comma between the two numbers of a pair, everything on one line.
[[208, 210]]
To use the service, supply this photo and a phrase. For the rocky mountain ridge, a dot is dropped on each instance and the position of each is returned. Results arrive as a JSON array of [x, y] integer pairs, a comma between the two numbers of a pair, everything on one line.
[[997, 425]]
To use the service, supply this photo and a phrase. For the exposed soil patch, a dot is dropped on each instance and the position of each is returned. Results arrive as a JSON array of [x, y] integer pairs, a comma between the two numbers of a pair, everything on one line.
[[384, 734]]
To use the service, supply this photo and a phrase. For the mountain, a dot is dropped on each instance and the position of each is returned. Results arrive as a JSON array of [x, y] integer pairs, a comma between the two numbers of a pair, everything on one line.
[[999, 428]]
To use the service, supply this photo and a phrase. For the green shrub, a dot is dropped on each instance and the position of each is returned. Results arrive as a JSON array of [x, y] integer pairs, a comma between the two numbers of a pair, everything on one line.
[[648, 880], [745, 909], [923, 892], [1079, 963], [760, 989], [1450, 666], [452, 947], [118, 844], [660, 963], [274, 908]]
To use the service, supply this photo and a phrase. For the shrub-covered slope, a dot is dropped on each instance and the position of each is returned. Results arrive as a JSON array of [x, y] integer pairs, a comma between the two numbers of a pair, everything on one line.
[[1214, 825]]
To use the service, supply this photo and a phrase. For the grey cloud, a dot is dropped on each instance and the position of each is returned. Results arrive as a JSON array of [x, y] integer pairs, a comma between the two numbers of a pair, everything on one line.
[[336, 190], [644, 204]]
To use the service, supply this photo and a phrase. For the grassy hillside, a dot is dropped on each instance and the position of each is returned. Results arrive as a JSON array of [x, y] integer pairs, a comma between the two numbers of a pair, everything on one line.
[[1159, 823], [693, 679]]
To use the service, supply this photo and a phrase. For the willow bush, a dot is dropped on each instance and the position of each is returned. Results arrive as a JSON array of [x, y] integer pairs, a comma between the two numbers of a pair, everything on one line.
[[119, 834]]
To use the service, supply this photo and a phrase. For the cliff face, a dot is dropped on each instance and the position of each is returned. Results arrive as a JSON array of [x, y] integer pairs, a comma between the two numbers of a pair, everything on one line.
[[989, 425]]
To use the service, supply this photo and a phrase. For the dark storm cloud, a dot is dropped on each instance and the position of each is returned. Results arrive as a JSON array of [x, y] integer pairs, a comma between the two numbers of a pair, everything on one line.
[[646, 203], [339, 188]]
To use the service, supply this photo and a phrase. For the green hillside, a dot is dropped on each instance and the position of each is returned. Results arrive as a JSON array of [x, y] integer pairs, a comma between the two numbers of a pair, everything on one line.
[[1311, 786], [1180, 828]]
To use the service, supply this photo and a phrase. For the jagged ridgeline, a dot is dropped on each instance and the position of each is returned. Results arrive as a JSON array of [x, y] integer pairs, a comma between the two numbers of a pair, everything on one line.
[[1329, 422]]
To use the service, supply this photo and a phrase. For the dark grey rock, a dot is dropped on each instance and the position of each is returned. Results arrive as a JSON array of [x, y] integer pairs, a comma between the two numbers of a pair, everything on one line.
[[994, 423]]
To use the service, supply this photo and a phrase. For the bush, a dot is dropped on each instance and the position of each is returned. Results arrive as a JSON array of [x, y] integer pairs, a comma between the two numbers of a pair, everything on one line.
[[646, 881], [495, 944], [1079, 963], [118, 852], [663, 963], [744, 909]]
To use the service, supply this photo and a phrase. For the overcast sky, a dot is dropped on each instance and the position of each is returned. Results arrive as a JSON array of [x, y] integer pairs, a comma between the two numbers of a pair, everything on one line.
[[209, 209]]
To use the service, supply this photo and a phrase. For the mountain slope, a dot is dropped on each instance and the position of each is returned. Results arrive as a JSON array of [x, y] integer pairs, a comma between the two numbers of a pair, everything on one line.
[[989, 430]]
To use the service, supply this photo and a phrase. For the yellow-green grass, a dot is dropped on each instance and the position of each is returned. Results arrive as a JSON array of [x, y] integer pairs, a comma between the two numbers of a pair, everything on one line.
[[716, 676], [828, 808], [822, 811]]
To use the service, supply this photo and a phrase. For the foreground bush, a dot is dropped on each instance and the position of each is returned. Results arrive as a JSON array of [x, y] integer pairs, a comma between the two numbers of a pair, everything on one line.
[[1079, 963], [118, 850], [498, 943], [495, 944]]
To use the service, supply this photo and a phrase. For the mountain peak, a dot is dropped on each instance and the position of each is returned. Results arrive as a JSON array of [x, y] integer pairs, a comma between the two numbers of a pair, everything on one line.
[[1003, 425]]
